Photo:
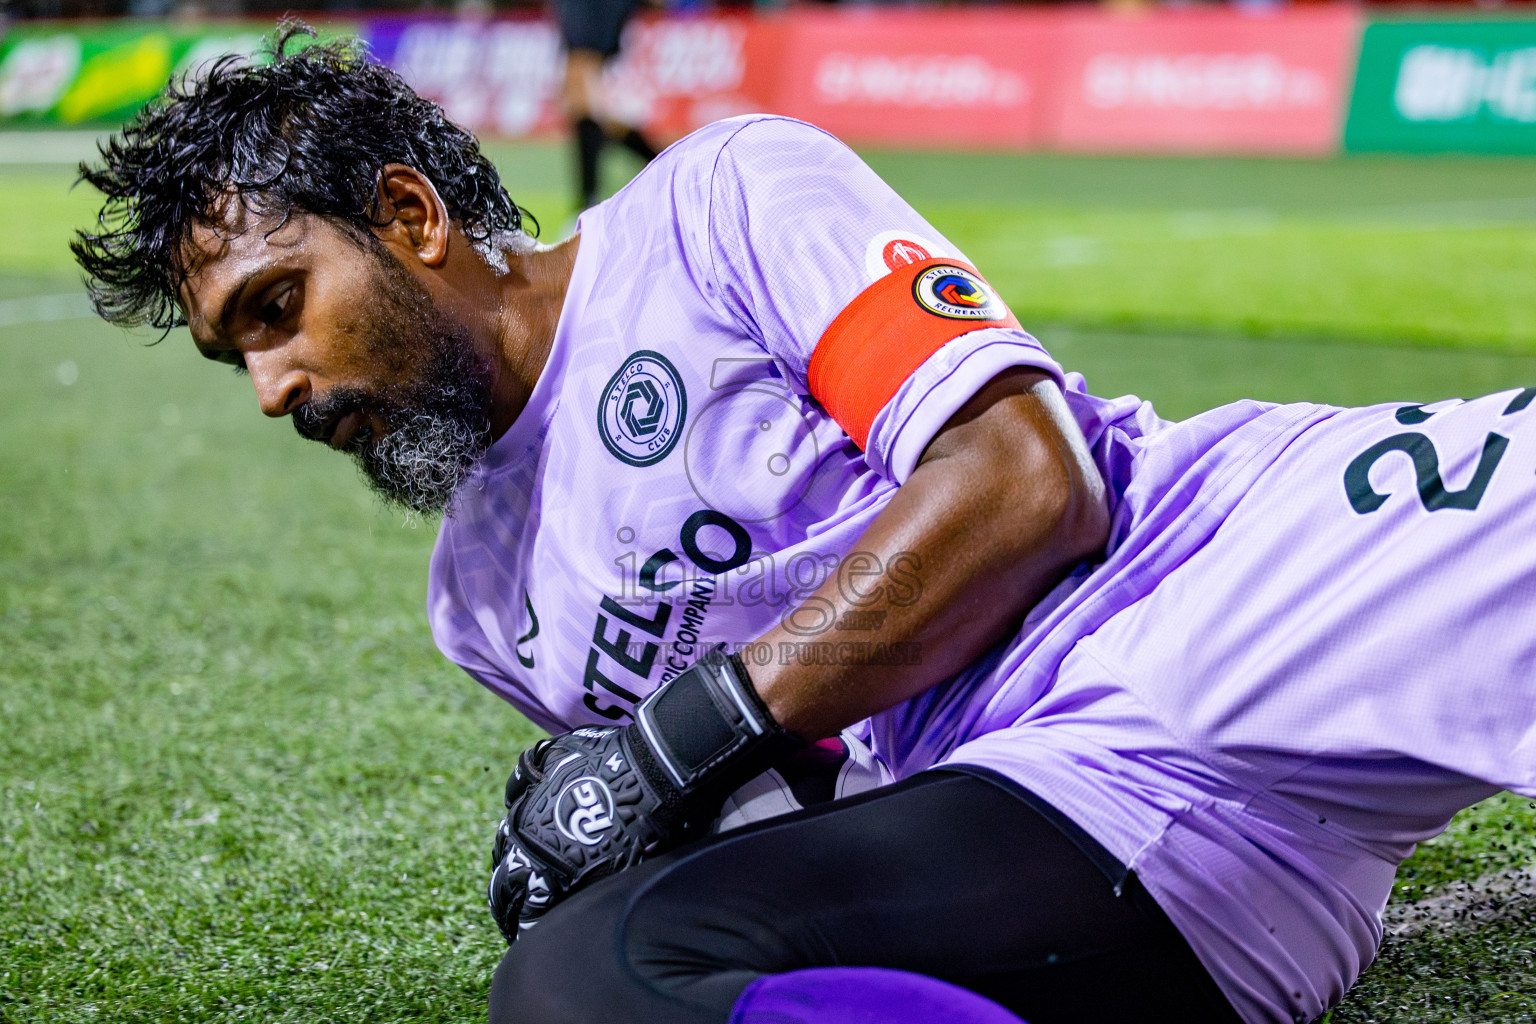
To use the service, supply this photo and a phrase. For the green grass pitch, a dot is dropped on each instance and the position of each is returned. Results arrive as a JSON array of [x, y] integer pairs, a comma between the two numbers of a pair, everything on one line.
[[238, 782]]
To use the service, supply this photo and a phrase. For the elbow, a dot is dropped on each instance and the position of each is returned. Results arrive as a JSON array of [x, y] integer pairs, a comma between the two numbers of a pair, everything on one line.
[[1022, 476], [1069, 506], [1077, 495], [1083, 528], [1060, 499]]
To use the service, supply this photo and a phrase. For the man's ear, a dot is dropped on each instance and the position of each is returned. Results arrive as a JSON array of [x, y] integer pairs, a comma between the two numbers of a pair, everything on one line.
[[415, 218]]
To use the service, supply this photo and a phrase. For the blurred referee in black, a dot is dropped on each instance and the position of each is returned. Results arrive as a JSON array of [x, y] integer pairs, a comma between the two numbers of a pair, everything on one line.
[[592, 30]]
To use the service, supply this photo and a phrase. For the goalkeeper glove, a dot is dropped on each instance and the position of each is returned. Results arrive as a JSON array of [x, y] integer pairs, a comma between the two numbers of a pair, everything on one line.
[[591, 802]]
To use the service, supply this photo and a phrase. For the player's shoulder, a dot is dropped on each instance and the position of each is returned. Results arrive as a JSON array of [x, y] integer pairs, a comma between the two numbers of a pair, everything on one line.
[[750, 144], [727, 158], [751, 132]]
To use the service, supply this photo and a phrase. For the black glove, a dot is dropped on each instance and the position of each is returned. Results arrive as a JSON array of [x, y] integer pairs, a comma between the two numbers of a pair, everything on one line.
[[596, 800]]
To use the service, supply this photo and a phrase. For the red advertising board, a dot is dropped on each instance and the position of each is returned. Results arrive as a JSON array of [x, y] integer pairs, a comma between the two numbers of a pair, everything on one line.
[[972, 77], [678, 74], [1204, 80], [1191, 80], [502, 77]]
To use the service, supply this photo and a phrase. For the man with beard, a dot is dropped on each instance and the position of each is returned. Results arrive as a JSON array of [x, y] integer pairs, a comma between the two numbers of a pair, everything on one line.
[[757, 458], [415, 439]]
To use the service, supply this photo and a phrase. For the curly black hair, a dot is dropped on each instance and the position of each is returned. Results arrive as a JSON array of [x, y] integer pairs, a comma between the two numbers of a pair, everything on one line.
[[310, 129]]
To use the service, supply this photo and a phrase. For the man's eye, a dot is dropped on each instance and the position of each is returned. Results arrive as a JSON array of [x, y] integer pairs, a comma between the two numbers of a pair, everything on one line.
[[234, 359], [274, 309]]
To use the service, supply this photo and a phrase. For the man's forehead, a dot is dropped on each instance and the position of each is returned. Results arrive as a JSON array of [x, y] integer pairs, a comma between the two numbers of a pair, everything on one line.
[[233, 218], [237, 241]]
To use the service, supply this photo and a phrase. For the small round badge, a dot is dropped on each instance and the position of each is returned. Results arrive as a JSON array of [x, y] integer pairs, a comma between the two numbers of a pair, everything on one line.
[[584, 810], [902, 252], [641, 412], [958, 294]]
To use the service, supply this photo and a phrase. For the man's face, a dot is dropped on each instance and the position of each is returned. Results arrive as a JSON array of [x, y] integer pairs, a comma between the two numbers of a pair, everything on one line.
[[337, 333]]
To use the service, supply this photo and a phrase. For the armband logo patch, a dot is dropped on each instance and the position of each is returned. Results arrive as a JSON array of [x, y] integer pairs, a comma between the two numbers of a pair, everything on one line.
[[957, 294], [888, 330]]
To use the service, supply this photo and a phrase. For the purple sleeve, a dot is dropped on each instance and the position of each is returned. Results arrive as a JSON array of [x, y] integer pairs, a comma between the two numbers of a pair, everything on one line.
[[791, 212], [797, 223], [946, 381]]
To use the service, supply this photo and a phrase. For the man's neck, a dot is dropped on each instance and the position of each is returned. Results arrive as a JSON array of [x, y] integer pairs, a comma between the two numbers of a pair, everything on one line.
[[532, 294]]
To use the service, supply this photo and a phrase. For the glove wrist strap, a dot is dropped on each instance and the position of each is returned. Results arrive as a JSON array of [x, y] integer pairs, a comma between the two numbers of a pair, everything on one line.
[[709, 730]]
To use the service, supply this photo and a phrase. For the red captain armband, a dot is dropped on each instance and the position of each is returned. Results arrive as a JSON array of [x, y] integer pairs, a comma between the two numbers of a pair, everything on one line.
[[886, 333]]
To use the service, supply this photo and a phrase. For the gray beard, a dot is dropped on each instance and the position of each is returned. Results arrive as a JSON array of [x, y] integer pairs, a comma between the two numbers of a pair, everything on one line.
[[421, 463], [439, 417]]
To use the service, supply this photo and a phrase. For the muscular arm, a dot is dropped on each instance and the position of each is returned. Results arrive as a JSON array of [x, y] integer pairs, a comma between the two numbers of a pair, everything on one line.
[[1004, 501]]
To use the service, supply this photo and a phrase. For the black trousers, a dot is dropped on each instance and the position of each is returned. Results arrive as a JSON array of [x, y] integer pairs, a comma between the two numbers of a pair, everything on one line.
[[961, 876], [594, 24]]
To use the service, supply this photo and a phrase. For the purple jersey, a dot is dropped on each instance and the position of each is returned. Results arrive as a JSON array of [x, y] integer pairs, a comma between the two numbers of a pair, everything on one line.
[[1310, 648], [1259, 700], [671, 483]]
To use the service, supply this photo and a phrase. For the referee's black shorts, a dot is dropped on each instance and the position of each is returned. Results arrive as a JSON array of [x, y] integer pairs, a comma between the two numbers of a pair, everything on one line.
[[593, 24]]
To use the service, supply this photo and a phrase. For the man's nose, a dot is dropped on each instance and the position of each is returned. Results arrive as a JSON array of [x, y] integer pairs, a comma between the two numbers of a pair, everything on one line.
[[280, 389]]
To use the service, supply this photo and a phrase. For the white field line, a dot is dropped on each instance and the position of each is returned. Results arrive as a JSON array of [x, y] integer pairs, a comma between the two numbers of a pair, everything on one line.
[[1506, 895], [48, 147], [43, 309]]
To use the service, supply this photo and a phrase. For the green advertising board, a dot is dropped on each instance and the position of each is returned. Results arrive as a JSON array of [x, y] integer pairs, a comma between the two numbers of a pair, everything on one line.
[[1445, 86], [66, 74]]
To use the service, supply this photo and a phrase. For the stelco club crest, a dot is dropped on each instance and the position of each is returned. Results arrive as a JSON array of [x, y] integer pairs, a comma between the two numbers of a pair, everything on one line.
[[958, 294], [640, 416]]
